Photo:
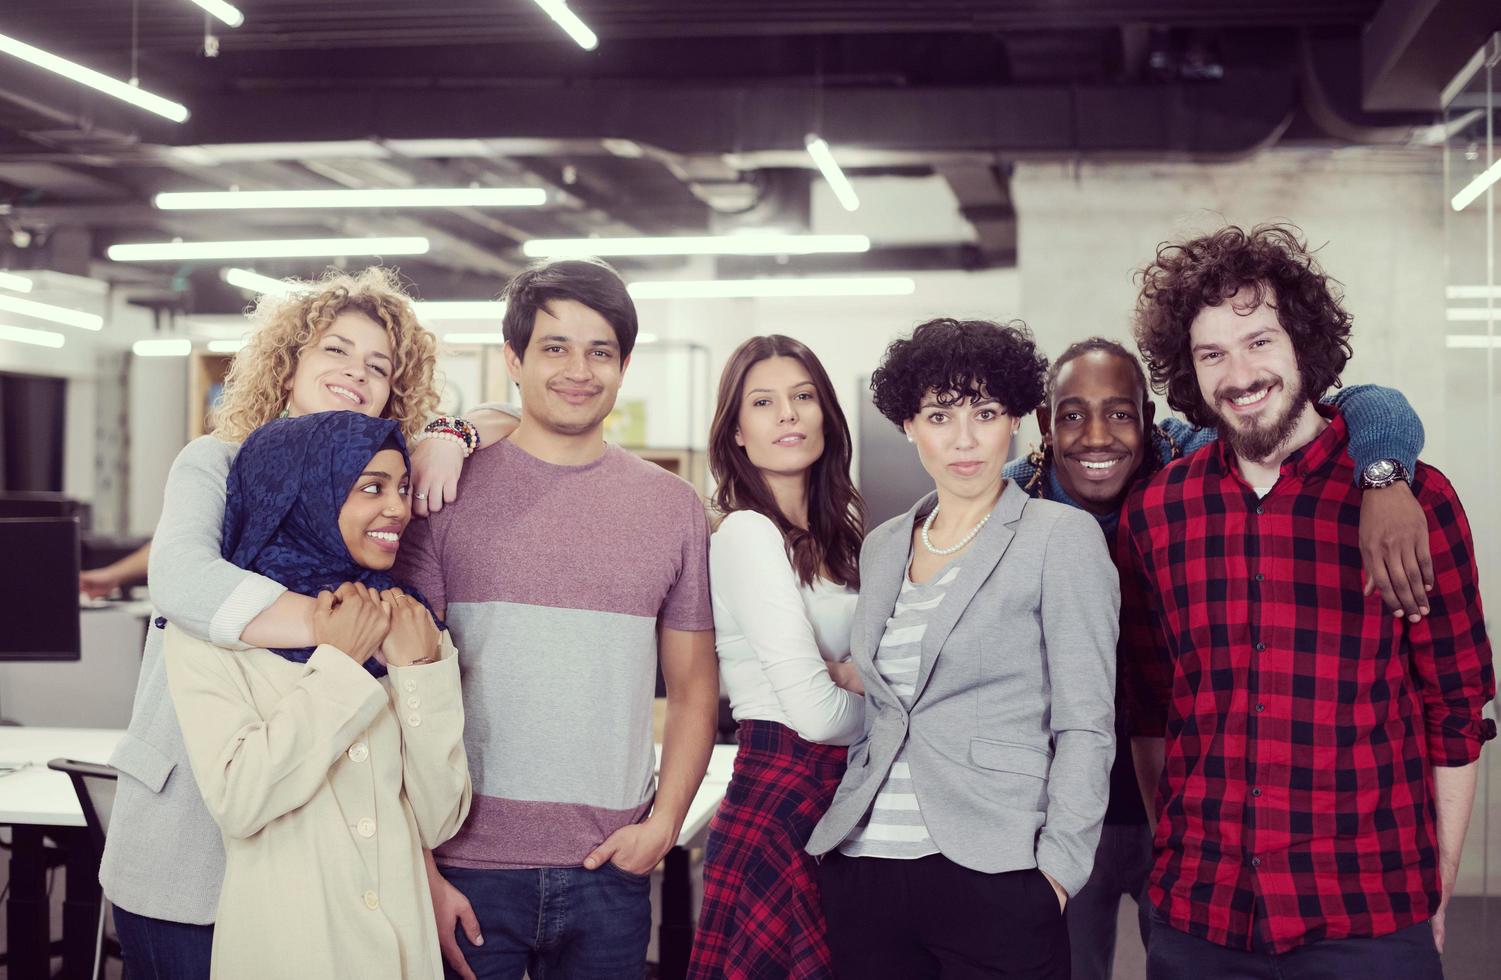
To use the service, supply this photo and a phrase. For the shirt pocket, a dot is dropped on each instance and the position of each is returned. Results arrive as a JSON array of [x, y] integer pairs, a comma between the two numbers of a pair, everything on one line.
[[143, 762]]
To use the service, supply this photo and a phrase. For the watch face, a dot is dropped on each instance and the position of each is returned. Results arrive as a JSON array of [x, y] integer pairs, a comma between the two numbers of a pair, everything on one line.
[[1381, 470]]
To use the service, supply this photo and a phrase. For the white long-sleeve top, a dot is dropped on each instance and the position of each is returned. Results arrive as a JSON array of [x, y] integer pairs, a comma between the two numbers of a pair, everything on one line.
[[775, 635], [326, 784]]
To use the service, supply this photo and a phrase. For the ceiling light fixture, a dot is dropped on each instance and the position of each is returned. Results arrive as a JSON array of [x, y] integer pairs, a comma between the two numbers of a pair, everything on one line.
[[166, 347], [56, 314], [97, 81], [226, 346], [743, 244], [460, 310], [1460, 341], [1477, 314], [1473, 292], [296, 248], [786, 286], [1476, 187], [570, 22], [398, 197], [9, 280], [819, 150], [227, 12], [256, 283], [36, 338]]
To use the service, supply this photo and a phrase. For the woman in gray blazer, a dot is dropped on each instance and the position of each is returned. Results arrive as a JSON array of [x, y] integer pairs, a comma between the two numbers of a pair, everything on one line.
[[985, 636]]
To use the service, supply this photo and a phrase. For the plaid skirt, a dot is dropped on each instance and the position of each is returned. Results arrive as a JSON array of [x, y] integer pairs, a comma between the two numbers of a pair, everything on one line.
[[761, 918]]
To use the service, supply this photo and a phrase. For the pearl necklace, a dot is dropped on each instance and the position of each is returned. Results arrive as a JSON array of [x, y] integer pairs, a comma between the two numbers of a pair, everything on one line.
[[928, 524]]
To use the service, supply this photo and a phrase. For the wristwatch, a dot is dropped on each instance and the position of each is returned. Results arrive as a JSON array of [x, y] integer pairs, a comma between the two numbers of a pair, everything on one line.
[[1382, 473]]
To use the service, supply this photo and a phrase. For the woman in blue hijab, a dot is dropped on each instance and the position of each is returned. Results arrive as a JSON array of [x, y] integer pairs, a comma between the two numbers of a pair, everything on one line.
[[328, 768]]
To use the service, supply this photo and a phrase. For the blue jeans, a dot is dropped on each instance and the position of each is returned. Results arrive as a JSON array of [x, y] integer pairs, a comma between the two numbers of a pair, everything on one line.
[[158, 949], [556, 923]]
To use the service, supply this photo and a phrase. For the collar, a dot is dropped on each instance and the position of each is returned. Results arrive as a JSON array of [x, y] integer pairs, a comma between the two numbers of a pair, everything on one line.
[[1324, 448]]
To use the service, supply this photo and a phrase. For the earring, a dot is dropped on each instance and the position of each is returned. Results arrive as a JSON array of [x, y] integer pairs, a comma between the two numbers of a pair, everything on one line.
[[909, 438]]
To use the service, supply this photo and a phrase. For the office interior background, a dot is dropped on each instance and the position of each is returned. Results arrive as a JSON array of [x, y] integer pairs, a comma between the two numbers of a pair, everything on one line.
[[989, 159]]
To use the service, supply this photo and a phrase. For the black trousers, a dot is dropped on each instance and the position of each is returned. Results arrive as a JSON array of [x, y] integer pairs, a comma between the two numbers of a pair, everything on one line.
[[909, 920], [1407, 954]]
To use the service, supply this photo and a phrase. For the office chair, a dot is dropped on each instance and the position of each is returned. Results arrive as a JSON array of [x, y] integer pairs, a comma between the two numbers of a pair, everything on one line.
[[95, 787]]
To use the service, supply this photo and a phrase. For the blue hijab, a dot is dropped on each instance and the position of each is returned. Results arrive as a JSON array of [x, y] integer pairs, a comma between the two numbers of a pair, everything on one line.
[[286, 489]]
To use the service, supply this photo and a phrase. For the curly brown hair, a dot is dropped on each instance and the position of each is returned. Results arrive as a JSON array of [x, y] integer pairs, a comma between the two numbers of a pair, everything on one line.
[[255, 389], [1185, 279]]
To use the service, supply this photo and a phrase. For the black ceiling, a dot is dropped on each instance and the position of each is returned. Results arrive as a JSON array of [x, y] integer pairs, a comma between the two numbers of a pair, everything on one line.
[[689, 112]]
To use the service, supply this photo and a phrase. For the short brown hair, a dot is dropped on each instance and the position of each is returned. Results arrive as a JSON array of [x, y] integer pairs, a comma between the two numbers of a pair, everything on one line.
[[1185, 279]]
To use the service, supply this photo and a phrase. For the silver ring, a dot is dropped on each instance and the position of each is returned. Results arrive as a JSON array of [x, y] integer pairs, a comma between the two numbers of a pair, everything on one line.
[[420, 496]]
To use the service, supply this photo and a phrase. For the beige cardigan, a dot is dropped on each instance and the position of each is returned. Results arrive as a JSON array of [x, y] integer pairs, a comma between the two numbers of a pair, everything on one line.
[[326, 784]]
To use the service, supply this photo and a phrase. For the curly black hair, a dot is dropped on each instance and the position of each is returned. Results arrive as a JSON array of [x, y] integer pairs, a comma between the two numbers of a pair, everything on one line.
[[1185, 279], [961, 360]]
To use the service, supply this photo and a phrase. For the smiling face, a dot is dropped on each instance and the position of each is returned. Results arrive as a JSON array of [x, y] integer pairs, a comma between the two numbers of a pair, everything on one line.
[[963, 446], [572, 370], [1099, 423], [347, 368], [781, 422], [1248, 374], [377, 511]]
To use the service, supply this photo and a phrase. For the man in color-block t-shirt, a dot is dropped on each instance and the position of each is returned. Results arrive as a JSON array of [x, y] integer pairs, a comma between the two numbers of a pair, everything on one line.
[[567, 569]]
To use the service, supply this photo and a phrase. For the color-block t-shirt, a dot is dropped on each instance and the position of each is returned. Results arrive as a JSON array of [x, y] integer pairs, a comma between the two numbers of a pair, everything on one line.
[[553, 580]]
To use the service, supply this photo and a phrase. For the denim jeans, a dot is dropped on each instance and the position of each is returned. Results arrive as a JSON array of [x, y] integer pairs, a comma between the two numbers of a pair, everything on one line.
[[556, 923], [1122, 864], [157, 949]]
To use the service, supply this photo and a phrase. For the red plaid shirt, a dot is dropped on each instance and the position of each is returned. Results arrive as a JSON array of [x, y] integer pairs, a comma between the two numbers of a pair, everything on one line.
[[1300, 716]]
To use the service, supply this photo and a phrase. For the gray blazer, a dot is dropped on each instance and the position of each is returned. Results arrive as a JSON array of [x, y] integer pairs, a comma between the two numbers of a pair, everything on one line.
[[1011, 734]]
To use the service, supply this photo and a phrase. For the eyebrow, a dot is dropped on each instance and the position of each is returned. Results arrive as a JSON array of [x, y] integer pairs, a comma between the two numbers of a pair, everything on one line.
[[339, 336], [558, 338], [1112, 400], [800, 384], [380, 473], [1242, 339], [977, 403]]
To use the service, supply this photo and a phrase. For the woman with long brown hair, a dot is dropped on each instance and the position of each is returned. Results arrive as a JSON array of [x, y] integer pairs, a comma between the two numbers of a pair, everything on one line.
[[784, 573]]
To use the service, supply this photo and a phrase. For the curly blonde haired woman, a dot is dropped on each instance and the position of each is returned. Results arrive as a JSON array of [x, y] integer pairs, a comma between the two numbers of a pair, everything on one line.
[[345, 342]]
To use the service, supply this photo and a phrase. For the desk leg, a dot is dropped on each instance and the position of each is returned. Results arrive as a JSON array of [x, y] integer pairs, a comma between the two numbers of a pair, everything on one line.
[[80, 907], [675, 935], [26, 915]]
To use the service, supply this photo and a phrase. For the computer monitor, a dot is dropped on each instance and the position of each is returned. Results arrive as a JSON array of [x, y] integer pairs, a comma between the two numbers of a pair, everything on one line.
[[39, 588], [40, 503]]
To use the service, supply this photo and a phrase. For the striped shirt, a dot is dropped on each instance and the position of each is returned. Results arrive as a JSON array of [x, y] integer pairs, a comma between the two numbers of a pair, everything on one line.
[[894, 827]]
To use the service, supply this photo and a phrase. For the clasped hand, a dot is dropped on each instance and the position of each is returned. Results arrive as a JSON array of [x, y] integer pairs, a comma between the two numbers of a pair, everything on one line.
[[363, 622]]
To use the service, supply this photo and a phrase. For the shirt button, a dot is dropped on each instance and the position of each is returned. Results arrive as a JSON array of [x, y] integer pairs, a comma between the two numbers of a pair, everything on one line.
[[372, 901], [414, 702], [1256, 791], [1260, 647], [1259, 509], [359, 752], [414, 720], [1256, 862], [161, 622], [366, 827], [411, 685], [1260, 706], [1260, 577]]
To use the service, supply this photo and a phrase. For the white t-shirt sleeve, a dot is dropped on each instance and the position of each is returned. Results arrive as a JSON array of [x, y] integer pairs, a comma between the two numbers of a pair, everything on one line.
[[753, 578]]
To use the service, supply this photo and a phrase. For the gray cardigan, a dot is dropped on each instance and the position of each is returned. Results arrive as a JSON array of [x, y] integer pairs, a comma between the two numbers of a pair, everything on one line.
[[164, 856], [1011, 733]]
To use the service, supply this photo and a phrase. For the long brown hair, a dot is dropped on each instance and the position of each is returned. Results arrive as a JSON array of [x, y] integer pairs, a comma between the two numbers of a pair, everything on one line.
[[836, 514]]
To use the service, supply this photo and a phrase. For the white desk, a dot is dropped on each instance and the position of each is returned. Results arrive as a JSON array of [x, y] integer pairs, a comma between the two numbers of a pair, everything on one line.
[[38, 803], [710, 794], [36, 795], [95, 691], [675, 934]]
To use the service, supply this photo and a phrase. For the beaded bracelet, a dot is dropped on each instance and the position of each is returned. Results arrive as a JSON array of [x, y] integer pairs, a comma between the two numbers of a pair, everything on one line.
[[453, 428]]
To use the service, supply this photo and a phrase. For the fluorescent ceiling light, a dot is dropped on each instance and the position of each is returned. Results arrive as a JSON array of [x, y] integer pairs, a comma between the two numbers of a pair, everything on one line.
[[227, 12], [209, 154], [569, 21], [297, 248], [9, 280], [226, 346], [1476, 187], [75, 72], [36, 338], [819, 150], [1472, 342], [1473, 292], [788, 286], [474, 338], [1459, 314], [400, 197], [743, 244], [173, 347], [56, 314], [257, 283], [460, 310], [646, 338]]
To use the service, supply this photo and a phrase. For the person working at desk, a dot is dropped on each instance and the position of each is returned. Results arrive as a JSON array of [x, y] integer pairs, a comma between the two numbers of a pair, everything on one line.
[[345, 343], [327, 772]]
